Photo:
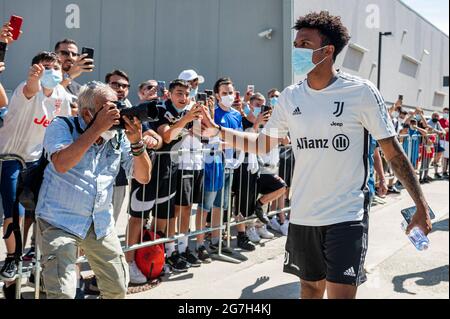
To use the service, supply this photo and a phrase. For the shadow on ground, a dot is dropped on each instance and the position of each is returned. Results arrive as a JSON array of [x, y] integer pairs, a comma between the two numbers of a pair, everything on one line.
[[440, 226], [427, 278], [286, 291]]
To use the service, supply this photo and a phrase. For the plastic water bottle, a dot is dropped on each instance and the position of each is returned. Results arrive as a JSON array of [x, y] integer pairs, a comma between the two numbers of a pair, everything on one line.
[[417, 237]]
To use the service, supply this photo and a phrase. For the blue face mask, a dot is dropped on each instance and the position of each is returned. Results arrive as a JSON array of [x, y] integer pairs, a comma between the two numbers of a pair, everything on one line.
[[246, 110], [302, 60], [256, 111], [273, 101], [51, 79], [193, 93]]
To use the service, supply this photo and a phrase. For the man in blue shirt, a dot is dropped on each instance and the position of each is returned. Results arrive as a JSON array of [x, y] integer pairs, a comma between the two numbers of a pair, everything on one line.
[[75, 201]]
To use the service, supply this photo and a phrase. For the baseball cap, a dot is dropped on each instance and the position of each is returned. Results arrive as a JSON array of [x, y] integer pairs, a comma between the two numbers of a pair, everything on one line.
[[189, 75]]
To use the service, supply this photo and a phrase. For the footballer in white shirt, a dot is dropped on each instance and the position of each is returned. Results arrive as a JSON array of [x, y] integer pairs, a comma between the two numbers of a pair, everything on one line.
[[329, 116]]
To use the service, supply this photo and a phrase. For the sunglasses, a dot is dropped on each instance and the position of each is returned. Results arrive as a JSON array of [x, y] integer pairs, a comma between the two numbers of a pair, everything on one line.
[[117, 85], [68, 53]]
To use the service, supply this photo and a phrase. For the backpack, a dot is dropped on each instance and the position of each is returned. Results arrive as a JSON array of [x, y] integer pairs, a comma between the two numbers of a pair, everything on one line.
[[150, 260], [30, 180]]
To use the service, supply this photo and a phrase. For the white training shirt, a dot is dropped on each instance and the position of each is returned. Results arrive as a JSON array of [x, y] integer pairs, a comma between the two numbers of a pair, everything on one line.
[[330, 130], [25, 123]]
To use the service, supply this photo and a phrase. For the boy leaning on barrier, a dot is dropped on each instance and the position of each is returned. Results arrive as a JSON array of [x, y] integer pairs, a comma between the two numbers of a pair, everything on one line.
[[175, 122], [75, 201]]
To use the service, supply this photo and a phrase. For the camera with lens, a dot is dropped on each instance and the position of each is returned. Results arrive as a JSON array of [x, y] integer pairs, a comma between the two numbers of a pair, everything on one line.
[[145, 112]]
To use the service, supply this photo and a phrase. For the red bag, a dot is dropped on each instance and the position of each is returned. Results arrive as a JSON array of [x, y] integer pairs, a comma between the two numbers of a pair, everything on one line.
[[150, 260]]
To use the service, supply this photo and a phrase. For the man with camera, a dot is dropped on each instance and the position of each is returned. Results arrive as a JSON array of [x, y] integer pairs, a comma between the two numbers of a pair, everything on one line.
[[73, 64], [84, 163]]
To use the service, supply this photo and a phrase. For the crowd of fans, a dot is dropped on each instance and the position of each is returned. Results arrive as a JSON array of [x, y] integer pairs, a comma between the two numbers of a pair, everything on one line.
[[98, 173]]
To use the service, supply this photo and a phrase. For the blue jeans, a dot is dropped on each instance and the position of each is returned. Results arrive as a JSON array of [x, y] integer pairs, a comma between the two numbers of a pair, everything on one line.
[[214, 198], [9, 178]]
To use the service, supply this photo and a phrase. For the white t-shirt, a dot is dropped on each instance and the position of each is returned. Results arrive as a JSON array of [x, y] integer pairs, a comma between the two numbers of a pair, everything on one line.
[[330, 130], [25, 123]]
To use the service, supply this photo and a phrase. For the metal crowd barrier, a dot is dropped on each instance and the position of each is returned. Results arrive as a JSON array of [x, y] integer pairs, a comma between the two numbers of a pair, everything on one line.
[[411, 145]]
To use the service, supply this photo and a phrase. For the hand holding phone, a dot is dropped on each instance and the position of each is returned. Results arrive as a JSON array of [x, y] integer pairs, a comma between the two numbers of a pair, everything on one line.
[[238, 97], [89, 54], [2, 51], [202, 98], [251, 88], [16, 24], [266, 109], [161, 89]]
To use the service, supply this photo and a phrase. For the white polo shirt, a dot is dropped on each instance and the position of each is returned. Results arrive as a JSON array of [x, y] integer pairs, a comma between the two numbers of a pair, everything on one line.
[[25, 123], [330, 130]]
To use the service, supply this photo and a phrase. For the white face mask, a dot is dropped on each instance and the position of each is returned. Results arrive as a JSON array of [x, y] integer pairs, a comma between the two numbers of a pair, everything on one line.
[[395, 115], [228, 100], [108, 135]]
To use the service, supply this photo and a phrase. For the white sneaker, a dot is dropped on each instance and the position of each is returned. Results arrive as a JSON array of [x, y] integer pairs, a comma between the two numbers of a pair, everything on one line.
[[275, 225], [136, 276], [253, 235], [264, 233], [284, 228]]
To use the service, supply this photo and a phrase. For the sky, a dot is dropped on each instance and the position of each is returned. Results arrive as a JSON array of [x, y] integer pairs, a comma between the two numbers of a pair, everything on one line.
[[435, 11]]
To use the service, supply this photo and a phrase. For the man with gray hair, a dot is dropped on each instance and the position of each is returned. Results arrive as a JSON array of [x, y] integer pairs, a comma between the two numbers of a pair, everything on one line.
[[75, 201]]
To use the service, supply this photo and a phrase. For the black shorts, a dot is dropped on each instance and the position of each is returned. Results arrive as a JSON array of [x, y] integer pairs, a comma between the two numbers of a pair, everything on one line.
[[268, 183], [336, 253], [189, 187], [158, 196], [245, 189]]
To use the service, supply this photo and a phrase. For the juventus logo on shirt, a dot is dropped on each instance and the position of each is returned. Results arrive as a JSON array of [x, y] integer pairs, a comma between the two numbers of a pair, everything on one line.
[[339, 109]]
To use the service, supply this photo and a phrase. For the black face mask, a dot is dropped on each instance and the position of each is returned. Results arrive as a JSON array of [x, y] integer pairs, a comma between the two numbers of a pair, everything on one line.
[[435, 120]]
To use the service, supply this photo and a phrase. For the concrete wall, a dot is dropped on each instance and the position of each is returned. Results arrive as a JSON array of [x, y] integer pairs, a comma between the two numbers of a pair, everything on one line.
[[419, 83], [157, 39]]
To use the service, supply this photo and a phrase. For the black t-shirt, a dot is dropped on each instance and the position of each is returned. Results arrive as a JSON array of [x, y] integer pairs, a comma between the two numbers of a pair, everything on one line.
[[170, 115]]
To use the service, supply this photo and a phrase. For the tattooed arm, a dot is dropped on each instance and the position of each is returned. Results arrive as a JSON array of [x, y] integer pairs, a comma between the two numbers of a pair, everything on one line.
[[405, 173]]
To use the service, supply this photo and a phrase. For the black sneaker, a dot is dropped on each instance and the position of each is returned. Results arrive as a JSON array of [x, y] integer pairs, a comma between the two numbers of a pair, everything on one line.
[[244, 243], [259, 212], [393, 190], [437, 176], [445, 175], [191, 259], [203, 255], [176, 263], [9, 269]]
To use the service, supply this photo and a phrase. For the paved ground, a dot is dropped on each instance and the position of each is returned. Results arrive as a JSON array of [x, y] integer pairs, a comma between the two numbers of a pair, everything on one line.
[[396, 269]]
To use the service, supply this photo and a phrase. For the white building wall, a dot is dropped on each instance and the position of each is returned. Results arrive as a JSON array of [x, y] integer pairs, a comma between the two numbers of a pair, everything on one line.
[[365, 19]]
